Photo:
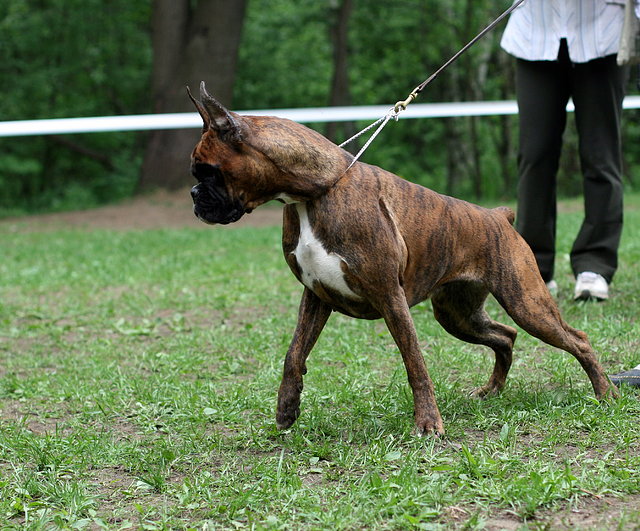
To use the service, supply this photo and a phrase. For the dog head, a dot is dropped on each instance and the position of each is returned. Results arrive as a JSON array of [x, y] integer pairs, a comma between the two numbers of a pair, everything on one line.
[[242, 162]]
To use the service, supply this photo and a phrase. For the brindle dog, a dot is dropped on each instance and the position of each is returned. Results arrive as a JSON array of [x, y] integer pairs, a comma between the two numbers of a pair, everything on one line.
[[370, 245]]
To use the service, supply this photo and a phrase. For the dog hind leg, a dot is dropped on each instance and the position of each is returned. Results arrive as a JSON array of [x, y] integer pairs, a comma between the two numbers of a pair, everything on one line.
[[459, 308], [312, 316], [536, 312]]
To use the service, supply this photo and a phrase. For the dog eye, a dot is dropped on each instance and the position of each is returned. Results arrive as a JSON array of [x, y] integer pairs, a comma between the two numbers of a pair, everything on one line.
[[203, 171]]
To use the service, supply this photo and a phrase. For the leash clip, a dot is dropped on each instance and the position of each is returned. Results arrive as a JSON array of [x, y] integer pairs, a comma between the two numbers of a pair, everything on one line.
[[402, 105]]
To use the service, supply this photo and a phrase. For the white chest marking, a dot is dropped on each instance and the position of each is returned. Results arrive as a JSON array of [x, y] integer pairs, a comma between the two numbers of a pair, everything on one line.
[[315, 263], [285, 198]]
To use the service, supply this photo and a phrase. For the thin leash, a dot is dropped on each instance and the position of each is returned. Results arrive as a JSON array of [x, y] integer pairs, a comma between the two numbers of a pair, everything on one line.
[[401, 105]]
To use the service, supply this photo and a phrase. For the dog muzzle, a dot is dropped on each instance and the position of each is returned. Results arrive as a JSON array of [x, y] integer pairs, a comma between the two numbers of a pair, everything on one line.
[[211, 201]]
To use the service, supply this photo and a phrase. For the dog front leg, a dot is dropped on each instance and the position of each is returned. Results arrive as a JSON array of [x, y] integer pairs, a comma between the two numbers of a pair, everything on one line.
[[312, 316], [398, 319]]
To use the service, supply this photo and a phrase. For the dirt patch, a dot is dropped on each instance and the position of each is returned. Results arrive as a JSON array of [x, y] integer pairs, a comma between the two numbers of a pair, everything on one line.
[[39, 421], [160, 210], [596, 513], [589, 514]]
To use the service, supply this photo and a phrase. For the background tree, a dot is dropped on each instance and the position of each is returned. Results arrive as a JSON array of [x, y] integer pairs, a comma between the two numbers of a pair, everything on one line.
[[66, 58], [340, 91], [192, 41]]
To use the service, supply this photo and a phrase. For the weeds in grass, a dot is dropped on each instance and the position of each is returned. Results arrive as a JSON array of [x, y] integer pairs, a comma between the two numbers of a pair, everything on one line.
[[138, 373]]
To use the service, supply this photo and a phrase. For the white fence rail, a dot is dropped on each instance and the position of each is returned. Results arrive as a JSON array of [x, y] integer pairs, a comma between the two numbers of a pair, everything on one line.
[[190, 120]]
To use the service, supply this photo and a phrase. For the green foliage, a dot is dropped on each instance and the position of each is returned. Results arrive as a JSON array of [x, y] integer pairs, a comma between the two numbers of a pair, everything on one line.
[[66, 58], [139, 371], [285, 56], [394, 45]]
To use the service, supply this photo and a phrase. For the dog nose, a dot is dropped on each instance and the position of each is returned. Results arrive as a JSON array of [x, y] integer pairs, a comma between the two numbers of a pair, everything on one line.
[[195, 192]]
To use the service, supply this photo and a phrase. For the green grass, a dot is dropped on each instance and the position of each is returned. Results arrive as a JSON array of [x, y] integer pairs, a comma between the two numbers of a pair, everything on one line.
[[138, 375]]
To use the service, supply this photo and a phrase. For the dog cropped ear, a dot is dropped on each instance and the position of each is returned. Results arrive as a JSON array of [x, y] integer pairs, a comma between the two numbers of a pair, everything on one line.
[[216, 117], [206, 121]]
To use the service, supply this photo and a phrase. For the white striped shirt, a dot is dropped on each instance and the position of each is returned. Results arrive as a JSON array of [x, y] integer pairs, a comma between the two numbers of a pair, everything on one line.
[[592, 29]]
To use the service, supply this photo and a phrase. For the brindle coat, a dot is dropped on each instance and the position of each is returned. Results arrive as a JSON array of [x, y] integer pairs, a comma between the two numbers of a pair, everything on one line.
[[374, 245]]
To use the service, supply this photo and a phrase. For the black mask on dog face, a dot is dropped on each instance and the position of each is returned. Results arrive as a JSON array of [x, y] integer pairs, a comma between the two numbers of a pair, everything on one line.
[[211, 201]]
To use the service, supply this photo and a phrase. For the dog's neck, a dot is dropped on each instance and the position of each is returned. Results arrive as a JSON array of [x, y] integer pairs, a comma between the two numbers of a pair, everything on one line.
[[309, 162]]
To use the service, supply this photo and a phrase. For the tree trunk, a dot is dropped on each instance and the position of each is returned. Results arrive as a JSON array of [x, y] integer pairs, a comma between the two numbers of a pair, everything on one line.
[[340, 92], [191, 42]]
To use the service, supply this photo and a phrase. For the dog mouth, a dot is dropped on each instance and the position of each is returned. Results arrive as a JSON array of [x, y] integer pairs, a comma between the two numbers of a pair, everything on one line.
[[212, 204]]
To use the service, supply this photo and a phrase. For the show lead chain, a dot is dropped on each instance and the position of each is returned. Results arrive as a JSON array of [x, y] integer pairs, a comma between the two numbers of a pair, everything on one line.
[[393, 113]]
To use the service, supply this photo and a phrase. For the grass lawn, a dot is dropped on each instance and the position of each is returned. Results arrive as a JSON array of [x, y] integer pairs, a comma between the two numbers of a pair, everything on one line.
[[138, 376]]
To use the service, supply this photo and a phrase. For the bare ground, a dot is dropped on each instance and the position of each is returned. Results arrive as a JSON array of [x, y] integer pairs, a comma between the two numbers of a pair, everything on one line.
[[157, 211]]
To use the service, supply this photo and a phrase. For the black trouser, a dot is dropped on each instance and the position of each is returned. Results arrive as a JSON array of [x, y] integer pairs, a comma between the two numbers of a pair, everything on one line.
[[543, 90]]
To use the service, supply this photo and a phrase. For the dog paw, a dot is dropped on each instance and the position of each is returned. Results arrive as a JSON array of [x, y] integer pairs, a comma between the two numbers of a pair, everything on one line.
[[287, 415], [430, 427], [484, 392], [436, 434], [610, 393], [288, 405], [286, 421]]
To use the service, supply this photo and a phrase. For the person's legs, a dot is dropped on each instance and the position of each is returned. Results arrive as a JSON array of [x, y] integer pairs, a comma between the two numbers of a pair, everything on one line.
[[542, 91], [598, 91]]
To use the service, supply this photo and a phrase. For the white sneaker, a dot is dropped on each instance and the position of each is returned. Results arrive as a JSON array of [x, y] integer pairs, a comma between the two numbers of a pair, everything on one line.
[[591, 285], [552, 286]]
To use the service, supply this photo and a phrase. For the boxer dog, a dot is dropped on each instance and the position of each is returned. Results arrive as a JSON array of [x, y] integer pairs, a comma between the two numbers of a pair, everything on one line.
[[371, 245]]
